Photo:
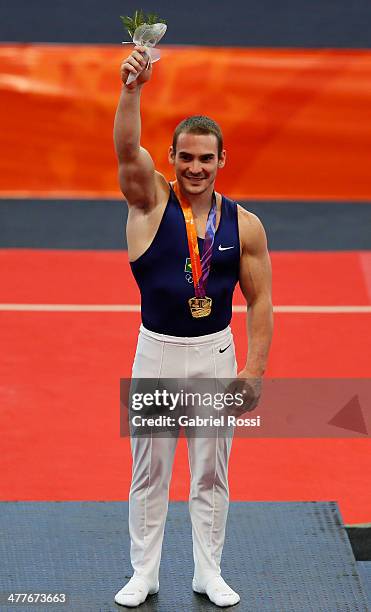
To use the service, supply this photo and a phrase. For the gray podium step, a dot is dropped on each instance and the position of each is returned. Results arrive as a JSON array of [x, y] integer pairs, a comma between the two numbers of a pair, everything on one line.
[[364, 569], [280, 557]]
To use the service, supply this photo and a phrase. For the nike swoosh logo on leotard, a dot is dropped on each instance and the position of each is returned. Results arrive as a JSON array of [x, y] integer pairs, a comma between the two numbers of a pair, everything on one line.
[[221, 248]]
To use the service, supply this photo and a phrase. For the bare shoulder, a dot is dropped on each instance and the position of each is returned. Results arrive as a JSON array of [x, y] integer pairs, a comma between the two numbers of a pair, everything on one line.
[[248, 220], [252, 233]]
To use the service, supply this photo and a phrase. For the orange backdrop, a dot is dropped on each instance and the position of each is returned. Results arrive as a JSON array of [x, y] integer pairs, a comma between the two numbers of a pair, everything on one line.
[[297, 123]]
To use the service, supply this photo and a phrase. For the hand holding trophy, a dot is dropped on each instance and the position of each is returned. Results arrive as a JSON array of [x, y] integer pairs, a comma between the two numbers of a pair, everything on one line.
[[146, 32]]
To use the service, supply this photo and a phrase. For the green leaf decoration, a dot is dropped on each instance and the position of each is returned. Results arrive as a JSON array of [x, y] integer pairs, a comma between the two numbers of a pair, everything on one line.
[[138, 19]]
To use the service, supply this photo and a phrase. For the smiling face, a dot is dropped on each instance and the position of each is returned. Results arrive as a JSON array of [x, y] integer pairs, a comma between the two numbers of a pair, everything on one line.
[[196, 162]]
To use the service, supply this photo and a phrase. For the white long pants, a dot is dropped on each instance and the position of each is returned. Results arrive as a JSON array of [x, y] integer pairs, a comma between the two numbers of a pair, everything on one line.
[[161, 356]]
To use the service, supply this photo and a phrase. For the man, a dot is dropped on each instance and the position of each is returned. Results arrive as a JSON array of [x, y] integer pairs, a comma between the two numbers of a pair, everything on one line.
[[185, 333]]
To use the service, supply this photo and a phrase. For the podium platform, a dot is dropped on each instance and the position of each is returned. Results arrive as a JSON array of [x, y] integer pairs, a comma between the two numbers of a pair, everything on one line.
[[280, 557]]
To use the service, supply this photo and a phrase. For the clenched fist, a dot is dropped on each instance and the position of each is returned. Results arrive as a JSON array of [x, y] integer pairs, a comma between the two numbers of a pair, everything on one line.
[[137, 63], [250, 389]]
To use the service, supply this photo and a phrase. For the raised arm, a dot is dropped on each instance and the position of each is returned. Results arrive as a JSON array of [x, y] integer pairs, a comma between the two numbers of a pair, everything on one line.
[[137, 176]]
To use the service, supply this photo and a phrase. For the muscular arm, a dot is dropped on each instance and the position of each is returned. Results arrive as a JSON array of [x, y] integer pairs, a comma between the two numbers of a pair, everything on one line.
[[256, 285], [137, 175], [127, 125]]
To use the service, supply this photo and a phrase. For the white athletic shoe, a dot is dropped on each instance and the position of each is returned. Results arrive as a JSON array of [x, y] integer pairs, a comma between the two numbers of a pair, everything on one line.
[[134, 592], [218, 592]]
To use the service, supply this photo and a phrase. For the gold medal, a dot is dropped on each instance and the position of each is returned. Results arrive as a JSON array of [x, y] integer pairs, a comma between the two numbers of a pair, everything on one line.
[[200, 306]]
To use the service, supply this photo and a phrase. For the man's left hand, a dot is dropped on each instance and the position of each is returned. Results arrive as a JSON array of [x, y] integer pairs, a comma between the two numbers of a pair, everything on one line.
[[249, 386]]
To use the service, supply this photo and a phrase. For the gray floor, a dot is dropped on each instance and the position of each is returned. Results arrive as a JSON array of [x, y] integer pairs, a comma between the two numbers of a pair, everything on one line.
[[364, 569], [280, 557]]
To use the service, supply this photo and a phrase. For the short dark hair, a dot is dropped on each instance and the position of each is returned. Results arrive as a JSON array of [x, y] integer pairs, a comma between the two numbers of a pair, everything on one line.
[[199, 124]]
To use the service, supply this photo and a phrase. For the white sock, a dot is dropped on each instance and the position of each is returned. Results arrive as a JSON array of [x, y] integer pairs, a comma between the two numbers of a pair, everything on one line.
[[134, 592], [218, 592]]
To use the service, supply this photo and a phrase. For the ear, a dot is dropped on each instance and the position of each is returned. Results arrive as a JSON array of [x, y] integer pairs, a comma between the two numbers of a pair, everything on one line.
[[171, 155], [222, 158]]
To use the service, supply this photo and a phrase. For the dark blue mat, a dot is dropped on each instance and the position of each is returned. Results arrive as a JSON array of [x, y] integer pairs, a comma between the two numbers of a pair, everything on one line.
[[281, 557]]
